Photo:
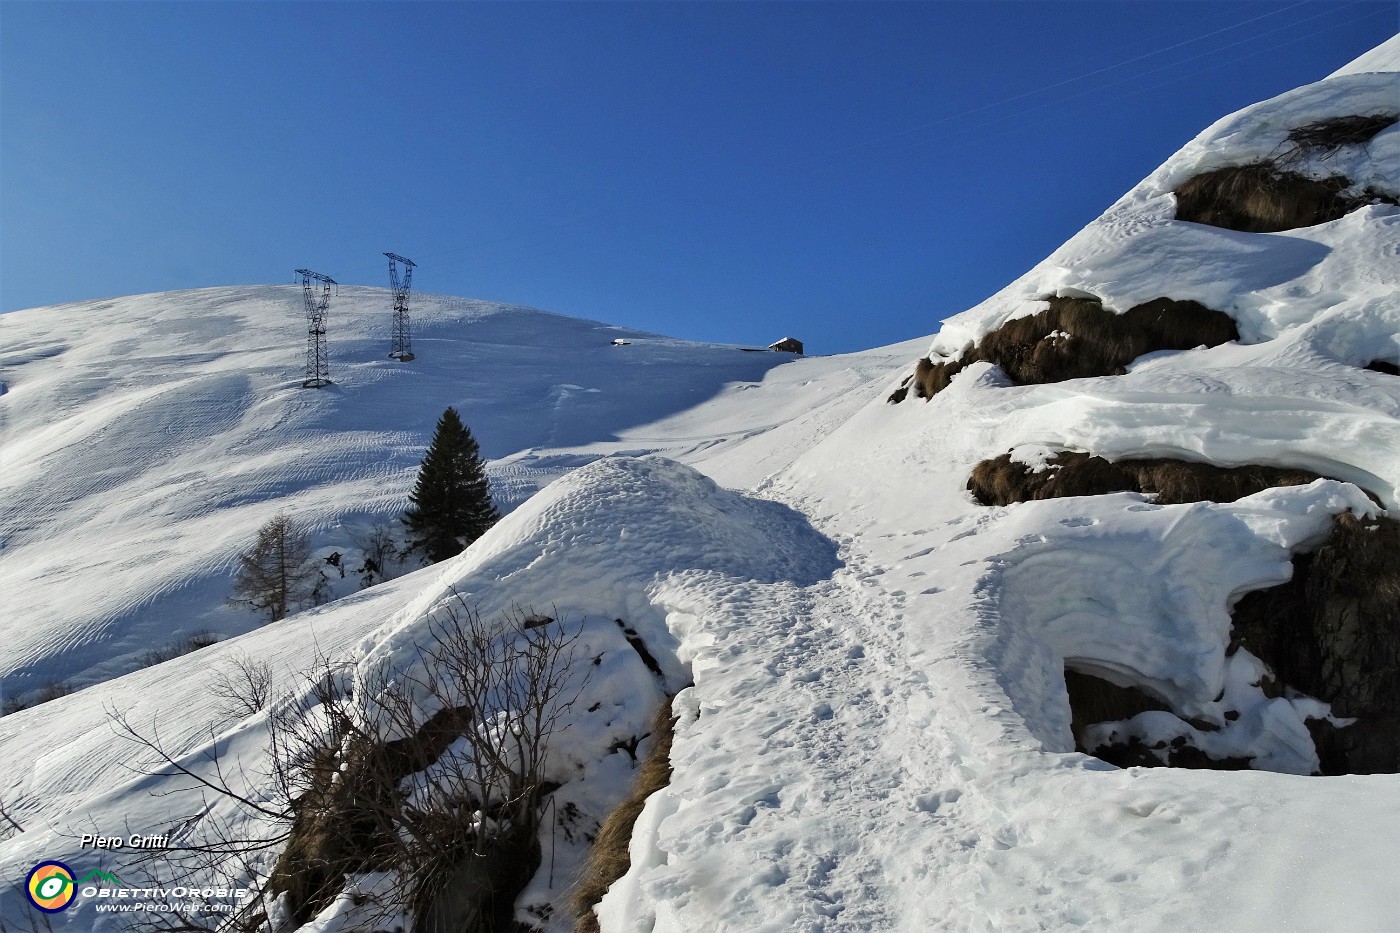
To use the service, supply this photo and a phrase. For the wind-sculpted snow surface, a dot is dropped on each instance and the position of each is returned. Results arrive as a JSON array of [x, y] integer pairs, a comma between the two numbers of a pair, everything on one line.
[[147, 438], [615, 540], [599, 545]]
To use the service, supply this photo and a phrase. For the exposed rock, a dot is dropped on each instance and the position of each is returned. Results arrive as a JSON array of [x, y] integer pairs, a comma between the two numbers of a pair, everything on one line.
[[1095, 702], [1135, 753], [1002, 481], [1331, 632], [1077, 338]]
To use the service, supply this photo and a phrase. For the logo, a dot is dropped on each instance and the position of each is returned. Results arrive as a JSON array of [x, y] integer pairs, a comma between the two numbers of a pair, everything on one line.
[[50, 887], [98, 875]]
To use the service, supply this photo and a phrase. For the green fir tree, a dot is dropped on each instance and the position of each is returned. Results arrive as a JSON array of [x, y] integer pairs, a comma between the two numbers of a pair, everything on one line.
[[451, 500]]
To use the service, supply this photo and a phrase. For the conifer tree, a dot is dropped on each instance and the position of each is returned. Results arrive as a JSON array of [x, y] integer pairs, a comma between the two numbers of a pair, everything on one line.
[[451, 500]]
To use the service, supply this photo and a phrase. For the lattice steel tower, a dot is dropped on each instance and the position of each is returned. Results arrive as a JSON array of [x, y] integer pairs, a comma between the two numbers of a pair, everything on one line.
[[318, 372], [402, 349]]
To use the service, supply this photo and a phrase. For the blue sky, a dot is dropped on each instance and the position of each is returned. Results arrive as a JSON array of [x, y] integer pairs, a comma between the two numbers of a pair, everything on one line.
[[847, 173]]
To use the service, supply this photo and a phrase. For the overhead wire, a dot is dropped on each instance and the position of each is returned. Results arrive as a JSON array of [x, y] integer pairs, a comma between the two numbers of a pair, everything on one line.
[[1059, 84], [993, 119], [1178, 78]]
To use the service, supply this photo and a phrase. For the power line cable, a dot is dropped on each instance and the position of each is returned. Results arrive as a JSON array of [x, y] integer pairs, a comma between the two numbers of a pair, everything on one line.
[[1182, 77], [1058, 84], [682, 200]]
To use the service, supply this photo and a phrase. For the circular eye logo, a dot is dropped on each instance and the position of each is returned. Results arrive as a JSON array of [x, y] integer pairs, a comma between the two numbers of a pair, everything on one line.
[[50, 887]]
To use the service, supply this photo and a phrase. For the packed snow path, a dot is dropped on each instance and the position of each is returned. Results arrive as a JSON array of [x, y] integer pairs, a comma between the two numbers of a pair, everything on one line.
[[844, 762]]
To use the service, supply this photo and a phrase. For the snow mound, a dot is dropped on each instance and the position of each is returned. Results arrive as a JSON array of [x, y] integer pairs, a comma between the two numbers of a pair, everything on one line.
[[601, 544]]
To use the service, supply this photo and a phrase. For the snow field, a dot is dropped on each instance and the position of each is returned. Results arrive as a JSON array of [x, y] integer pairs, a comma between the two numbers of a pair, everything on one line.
[[144, 448]]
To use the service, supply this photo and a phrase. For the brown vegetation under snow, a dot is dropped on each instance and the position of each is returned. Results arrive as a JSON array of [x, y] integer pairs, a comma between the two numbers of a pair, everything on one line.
[[1268, 196], [1076, 338], [1000, 481], [610, 857]]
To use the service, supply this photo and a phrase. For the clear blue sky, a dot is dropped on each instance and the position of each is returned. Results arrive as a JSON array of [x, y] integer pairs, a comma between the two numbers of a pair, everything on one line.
[[847, 173]]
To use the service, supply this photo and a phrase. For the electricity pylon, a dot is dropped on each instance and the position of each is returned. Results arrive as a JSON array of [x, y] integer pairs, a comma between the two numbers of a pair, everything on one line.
[[318, 371], [402, 348]]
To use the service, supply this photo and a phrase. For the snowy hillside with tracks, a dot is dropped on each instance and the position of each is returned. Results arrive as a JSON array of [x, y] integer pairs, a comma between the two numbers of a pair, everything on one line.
[[147, 438]]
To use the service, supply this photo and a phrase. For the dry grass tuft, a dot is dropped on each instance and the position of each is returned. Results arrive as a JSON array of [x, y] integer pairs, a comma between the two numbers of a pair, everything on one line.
[[1077, 338], [610, 858], [1331, 135], [930, 378], [1261, 198], [999, 481], [1266, 196]]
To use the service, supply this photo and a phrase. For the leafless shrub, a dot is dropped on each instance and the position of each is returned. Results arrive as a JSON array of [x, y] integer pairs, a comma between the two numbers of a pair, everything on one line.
[[610, 856], [382, 554], [224, 849], [51, 690], [1331, 135], [10, 825], [435, 773], [35, 922], [244, 685], [178, 649]]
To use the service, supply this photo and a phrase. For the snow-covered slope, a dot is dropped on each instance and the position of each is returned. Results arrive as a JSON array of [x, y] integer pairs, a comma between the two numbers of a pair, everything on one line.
[[146, 439], [909, 765], [876, 734]]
